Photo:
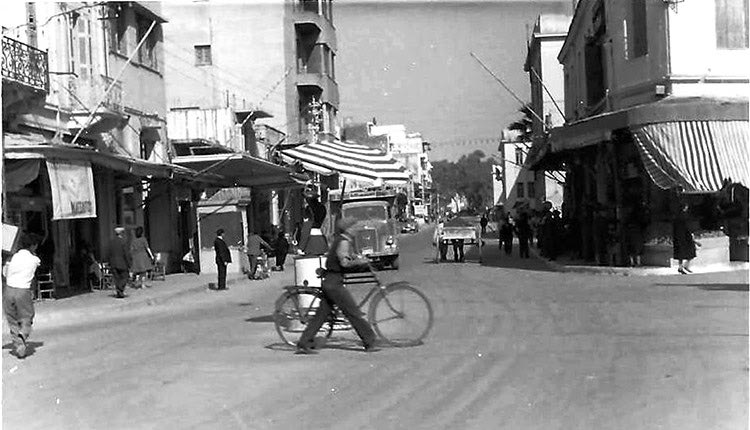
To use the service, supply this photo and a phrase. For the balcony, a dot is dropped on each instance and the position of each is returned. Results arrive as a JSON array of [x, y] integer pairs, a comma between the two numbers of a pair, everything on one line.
[[86, 93], [328, 88], [25, 65], [25, 72], [312, 13]]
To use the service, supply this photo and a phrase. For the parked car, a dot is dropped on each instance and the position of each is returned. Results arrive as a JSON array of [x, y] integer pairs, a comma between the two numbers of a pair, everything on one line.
[[410, 226]]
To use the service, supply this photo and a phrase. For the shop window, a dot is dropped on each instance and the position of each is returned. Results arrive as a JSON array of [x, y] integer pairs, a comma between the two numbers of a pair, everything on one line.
[[519, 156], [203, 55], [732, 24]]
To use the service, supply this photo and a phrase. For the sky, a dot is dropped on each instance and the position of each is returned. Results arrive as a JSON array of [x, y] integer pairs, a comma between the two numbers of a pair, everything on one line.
[[409, 63]]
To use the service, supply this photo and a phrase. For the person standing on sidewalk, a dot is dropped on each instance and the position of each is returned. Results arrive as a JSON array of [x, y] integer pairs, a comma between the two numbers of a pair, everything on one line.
[[18, 303], [483, 223], [223, 258], [523, 231], [506, 236], [119, 261], [340, 259], [255, 244], [683, 242], [141, 256], [281, 249]]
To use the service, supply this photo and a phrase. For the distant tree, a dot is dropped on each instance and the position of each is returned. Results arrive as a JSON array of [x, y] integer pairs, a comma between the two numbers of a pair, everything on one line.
[[524, 125], [469, 177]]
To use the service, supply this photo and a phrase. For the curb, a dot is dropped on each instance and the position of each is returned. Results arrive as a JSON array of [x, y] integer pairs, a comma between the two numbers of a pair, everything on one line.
[[638, 271], [75, 315]]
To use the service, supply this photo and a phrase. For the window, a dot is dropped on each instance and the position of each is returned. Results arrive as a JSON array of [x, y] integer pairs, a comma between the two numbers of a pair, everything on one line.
[[519, 156], [82, 47], [519, 190], [203, 55], [117, 28], [147, 53], [732, 24], [530, 190], [637, 31]]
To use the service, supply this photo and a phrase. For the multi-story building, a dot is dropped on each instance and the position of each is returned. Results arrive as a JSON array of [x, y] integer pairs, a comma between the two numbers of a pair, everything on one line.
[[84, 138], [546, 80], [278, 57], [656, 114]]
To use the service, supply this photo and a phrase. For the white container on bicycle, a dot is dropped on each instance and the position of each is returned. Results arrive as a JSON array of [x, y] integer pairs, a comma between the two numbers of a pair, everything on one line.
[[305, 274]]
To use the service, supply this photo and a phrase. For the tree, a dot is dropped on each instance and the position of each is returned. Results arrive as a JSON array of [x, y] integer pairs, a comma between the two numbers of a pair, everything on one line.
[[524, 126], [469, 177]]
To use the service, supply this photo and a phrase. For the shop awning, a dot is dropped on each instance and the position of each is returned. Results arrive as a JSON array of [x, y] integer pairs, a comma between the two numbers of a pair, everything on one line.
[[694, 155], [18, 148], [599, 128], [350, 160], [241, 170]]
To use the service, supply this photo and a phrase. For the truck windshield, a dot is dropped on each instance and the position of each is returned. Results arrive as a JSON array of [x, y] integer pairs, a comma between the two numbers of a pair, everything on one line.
[[363, 213]]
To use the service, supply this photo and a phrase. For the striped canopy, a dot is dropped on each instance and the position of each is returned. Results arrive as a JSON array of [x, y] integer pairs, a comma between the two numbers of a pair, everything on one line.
[[350, 160], [694, 155]]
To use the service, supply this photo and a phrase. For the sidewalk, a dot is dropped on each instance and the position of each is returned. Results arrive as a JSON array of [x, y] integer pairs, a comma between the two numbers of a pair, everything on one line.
[[565, 264], [99, 304]]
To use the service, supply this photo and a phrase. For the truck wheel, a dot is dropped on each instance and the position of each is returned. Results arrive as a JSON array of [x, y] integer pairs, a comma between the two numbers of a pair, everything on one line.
[[395, 263]]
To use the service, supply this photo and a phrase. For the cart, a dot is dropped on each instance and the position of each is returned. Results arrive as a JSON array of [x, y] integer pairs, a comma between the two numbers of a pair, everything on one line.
[[470, 235]]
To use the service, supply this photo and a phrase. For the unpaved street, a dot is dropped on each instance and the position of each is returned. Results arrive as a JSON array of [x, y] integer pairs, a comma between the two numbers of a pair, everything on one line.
[[514, 346]]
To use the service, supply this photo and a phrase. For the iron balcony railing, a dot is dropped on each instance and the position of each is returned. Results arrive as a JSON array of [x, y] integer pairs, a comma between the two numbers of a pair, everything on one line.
[[25, 64]]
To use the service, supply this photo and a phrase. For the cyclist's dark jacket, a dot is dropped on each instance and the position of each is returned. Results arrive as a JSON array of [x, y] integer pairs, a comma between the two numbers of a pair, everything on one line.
[[333, 258]]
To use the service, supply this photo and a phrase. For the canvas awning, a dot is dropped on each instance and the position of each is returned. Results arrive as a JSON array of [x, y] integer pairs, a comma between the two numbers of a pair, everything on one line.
[[696, 156], [350, 160], [241, 170]]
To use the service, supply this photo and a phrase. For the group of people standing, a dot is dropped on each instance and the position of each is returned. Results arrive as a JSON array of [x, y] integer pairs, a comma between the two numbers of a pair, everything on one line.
[[255, 247], [129, 261]]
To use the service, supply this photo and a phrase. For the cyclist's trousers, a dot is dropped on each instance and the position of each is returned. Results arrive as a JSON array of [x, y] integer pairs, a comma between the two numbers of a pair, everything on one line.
[[335, 293]]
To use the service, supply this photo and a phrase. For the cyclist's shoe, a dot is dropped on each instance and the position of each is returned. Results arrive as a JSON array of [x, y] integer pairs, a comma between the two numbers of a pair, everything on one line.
[[373, 347], [305, 350], [21, 346]]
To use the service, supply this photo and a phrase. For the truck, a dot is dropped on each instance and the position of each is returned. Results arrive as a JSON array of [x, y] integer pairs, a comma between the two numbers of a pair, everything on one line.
[[376, 230]]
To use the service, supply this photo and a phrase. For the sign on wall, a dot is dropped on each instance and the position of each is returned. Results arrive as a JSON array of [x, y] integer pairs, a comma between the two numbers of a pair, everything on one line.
[[72, 186], [498, 184]]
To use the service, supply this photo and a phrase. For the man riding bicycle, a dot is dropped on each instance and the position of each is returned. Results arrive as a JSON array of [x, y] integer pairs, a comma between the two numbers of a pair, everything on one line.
[[341, 259]]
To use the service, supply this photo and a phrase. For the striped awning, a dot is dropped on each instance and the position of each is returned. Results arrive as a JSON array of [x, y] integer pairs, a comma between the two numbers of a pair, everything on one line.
[[350, 160], [694, 155]]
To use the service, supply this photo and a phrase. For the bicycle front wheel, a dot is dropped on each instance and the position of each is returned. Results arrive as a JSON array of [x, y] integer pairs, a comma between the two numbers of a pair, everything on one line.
[[401, 315], [294, 309]]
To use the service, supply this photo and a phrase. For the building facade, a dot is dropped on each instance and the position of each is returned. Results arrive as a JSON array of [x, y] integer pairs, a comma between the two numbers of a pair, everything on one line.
[[656, 115], [94, 136]]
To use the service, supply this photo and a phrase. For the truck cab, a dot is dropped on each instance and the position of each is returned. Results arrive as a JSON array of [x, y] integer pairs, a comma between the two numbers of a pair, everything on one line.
[[376, 230]]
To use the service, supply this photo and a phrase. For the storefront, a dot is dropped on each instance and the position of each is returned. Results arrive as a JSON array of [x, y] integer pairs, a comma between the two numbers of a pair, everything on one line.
[[643, 161]]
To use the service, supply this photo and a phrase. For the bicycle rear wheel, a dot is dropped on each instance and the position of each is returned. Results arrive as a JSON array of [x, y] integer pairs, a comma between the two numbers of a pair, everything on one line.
[[401, 315], [294, 309]]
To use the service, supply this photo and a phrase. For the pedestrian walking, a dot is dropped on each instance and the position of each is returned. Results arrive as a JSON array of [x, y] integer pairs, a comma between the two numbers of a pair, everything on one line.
[[483, 223], [18, 303], [506, 236], [255, 246], [523, 232], [554, 233], [340, 259], [458, 250], [634, 226], [119, 261], [223, 258], [438, 241], [281, 249], [683, 242], [141, 256]]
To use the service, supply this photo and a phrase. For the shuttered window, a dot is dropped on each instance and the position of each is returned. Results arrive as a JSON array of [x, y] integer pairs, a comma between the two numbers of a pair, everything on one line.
[[732, 24], [203, 55]]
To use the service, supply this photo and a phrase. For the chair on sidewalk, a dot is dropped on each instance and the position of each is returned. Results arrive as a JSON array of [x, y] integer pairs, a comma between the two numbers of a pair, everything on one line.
[[105, 279], [45, 285], [160, 267]]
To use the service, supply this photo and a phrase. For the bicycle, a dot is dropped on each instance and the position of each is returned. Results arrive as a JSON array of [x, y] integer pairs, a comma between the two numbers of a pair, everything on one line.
[[399, 313]]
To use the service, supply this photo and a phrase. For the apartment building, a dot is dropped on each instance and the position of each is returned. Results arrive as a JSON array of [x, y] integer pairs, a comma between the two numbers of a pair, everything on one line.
[[84, 138], [656, 114]]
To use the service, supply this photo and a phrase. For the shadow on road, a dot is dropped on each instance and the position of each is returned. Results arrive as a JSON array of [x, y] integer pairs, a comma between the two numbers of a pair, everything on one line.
[[260, 319], [492, 256], [739, 287], [31, 347]]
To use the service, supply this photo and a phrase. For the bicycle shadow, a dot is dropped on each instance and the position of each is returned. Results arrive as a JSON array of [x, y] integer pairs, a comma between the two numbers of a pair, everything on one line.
[[260, 319]]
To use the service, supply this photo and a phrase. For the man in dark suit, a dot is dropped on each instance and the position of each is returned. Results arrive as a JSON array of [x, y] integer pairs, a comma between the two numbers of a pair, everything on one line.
[[119, 261], [223, 258]]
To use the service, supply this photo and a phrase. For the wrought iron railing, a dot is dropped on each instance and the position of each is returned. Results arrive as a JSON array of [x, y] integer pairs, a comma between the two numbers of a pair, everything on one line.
[[25, 64]]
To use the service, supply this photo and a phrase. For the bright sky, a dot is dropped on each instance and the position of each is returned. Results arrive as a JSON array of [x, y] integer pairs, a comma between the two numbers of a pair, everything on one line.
[[410, 63]]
